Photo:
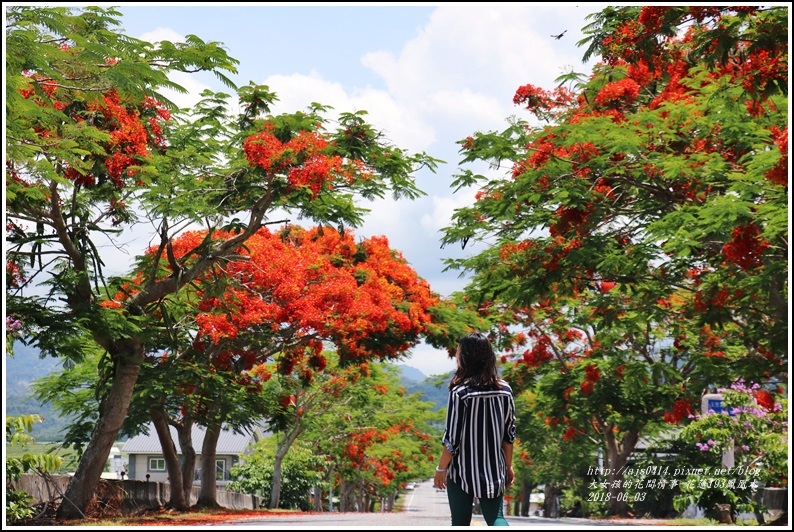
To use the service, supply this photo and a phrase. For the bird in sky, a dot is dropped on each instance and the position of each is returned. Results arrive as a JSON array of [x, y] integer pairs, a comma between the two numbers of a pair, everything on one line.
[[558, 37]]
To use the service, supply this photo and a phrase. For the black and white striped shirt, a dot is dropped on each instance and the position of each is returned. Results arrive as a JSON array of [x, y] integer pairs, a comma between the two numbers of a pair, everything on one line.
[[478, 422]]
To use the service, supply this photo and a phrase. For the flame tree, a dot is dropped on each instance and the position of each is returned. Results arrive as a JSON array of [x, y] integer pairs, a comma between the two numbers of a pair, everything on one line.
[[287, 296], [93, 147], [371, 437], [637, 248]]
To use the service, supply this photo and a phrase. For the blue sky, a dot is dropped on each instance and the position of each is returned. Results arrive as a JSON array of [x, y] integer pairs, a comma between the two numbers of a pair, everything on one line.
[[428, 75]]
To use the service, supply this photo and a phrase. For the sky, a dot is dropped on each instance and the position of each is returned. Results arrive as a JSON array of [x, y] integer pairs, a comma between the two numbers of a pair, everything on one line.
[[428, 75]]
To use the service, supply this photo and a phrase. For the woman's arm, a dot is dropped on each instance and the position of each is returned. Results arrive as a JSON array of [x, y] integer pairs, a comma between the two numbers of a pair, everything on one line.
[[508, 449], [450, 440], [440, 478]]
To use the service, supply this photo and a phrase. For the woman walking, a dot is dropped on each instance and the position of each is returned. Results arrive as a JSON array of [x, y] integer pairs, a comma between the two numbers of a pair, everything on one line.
[[477, 458]]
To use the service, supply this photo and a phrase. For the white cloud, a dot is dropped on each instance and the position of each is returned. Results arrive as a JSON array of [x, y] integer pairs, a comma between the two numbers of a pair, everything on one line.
[[443, 208], [467, 110], [402, 126], [160, 34], [191, 84], [430, 361], [468, 61]]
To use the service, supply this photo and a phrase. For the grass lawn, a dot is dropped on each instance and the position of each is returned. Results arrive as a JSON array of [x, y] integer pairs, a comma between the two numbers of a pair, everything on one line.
[[69, 456]]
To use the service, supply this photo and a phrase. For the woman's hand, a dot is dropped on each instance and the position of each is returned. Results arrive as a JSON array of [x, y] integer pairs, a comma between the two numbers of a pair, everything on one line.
[[510, 476], [440, 480]]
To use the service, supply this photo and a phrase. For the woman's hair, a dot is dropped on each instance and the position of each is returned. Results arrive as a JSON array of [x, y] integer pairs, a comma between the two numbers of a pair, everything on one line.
[[476, 363]]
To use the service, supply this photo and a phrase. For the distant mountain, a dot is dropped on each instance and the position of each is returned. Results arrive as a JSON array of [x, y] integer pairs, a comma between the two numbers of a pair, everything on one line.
[[409, 373], [20, 371], [26, 366], [433, 389]]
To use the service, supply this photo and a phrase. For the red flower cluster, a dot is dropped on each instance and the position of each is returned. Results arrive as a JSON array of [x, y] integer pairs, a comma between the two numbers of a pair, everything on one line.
[[651, 17], [542, 151], [606, 286], [592, 372], [764, 399], [682, 408], [540, 101], [619, 47], [129, 138], [318, 362], [779, 175], [287, 400], [14, 276], [745, 247], [570, 434], [618, 93], [325, 284], [761, 68], [541, 352], [571, 218], [302, 158], [641, 73]]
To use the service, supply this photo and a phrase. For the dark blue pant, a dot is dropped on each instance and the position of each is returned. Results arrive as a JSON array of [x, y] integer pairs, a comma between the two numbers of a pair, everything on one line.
[[460, 505]]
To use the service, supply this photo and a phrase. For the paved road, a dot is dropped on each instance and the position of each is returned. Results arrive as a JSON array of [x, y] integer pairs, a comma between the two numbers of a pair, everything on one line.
[[424, 507]]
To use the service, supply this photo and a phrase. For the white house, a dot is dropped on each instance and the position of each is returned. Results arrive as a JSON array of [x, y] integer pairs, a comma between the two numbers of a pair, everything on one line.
[[146, 460], [536, 501], [116, 464]]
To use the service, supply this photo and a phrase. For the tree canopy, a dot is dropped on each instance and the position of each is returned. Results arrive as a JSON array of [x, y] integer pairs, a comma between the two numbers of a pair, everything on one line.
[[636, 250], [93, 148]]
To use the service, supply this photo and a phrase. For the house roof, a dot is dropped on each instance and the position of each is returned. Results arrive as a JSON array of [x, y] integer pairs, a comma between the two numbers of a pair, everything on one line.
[[229, 442]]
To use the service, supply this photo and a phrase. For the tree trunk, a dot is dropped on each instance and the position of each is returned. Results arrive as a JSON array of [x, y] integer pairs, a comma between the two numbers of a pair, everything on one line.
[[551, 502], [177, 499], [526, 492], [617, 455], [281, 451], [113, 409], [318, 499], [361, 503], [526, 498], [207, 495], [275, 486], [345, 499], [184, 431], [331, 479]]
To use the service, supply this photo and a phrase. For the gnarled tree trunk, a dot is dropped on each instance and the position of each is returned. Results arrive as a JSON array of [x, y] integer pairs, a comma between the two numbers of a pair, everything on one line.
[[617, 455], [184, 431], [128, 355], [207, 495], [177, 500]]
